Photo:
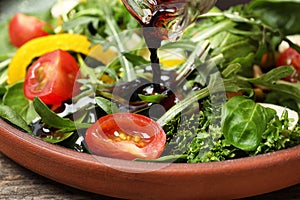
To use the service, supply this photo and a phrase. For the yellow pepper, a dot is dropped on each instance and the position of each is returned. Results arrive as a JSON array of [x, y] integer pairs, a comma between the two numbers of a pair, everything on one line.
[[42, 45]]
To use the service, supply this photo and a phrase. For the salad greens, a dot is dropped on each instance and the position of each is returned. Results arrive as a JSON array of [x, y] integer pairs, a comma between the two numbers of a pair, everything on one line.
[[204, 124], [244, 122]]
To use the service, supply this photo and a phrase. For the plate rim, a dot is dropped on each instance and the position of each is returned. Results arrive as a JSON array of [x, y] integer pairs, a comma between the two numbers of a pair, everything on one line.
[[135, 171]]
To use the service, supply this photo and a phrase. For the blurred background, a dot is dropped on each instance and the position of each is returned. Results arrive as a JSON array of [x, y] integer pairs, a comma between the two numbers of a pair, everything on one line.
[[11, 6], [224, 4]]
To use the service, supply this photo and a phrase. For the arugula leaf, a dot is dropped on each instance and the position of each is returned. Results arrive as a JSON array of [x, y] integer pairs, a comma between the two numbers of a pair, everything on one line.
[[185, 44], [136, 60], [152, 98], [53, 120], [82, 20], [273, 75], [57, 137], [107, 105], [272, 80]]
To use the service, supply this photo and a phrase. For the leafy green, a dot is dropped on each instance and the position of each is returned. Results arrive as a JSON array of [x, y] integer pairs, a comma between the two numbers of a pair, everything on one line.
[[152, 98], [6, 46], [107, 105], [101, 23], [272, 80], [244, 121], [13, 117], [192, 136], [15, 99], [277, 136], [53, 120], [136, 60], [276, 14], [196, 139], [57, 137], [276, 97]]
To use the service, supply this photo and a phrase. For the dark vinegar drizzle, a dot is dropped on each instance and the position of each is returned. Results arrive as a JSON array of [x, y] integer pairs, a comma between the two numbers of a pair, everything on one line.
[[155, 65], [153, 40], [161, 16], [164, 20]]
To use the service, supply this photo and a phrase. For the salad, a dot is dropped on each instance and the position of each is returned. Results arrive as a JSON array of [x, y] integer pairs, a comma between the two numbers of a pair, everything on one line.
[[80, 77]]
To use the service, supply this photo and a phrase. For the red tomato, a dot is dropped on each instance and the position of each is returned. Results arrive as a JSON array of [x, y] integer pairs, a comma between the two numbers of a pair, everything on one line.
[[126, 136], [23, 28], [290, 57], [52, 77]]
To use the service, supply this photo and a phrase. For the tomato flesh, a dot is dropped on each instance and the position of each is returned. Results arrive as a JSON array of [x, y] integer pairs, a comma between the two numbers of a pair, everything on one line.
[[52, 77], [290, 57], [23, 28], [126, 136]]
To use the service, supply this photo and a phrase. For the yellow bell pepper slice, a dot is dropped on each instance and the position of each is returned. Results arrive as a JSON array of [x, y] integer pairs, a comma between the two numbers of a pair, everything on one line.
[[42, 45]]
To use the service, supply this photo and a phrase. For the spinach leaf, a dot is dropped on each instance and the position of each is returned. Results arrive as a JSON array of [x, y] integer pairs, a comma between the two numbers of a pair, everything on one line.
[[244, 121], [277, 14], [13, 117], [277, 98], [14, 98]]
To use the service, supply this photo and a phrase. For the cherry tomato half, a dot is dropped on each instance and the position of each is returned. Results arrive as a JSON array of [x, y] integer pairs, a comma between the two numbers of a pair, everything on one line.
[[23, 28], [126, 136], [52, 77], [290, 57]]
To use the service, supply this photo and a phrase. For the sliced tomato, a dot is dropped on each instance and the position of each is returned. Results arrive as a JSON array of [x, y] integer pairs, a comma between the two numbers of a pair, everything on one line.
[[52, 77], [126, 136], [286, 57], [23, 28], [290, 57]]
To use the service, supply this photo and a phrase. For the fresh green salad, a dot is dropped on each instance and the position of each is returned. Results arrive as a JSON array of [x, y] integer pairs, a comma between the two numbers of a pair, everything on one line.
[[80, 77]]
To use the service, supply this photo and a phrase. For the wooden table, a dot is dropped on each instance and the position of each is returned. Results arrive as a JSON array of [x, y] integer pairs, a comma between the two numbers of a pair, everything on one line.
[[17, 183]]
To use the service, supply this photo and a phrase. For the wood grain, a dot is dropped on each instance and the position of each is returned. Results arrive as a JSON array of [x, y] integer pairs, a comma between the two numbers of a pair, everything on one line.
[[17, 183]]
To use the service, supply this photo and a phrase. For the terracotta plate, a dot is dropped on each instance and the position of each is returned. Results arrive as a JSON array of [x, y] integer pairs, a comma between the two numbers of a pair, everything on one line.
[[138, 180], [133, 180]]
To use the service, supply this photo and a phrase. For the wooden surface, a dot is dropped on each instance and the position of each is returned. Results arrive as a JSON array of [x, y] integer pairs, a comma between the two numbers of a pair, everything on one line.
[[17, 183]]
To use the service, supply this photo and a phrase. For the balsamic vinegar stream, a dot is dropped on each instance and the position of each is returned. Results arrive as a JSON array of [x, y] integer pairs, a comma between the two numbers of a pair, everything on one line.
[[164, 20]]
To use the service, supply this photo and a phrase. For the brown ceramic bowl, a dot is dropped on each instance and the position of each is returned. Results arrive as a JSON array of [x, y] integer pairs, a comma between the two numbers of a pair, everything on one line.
[[139, 180]]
